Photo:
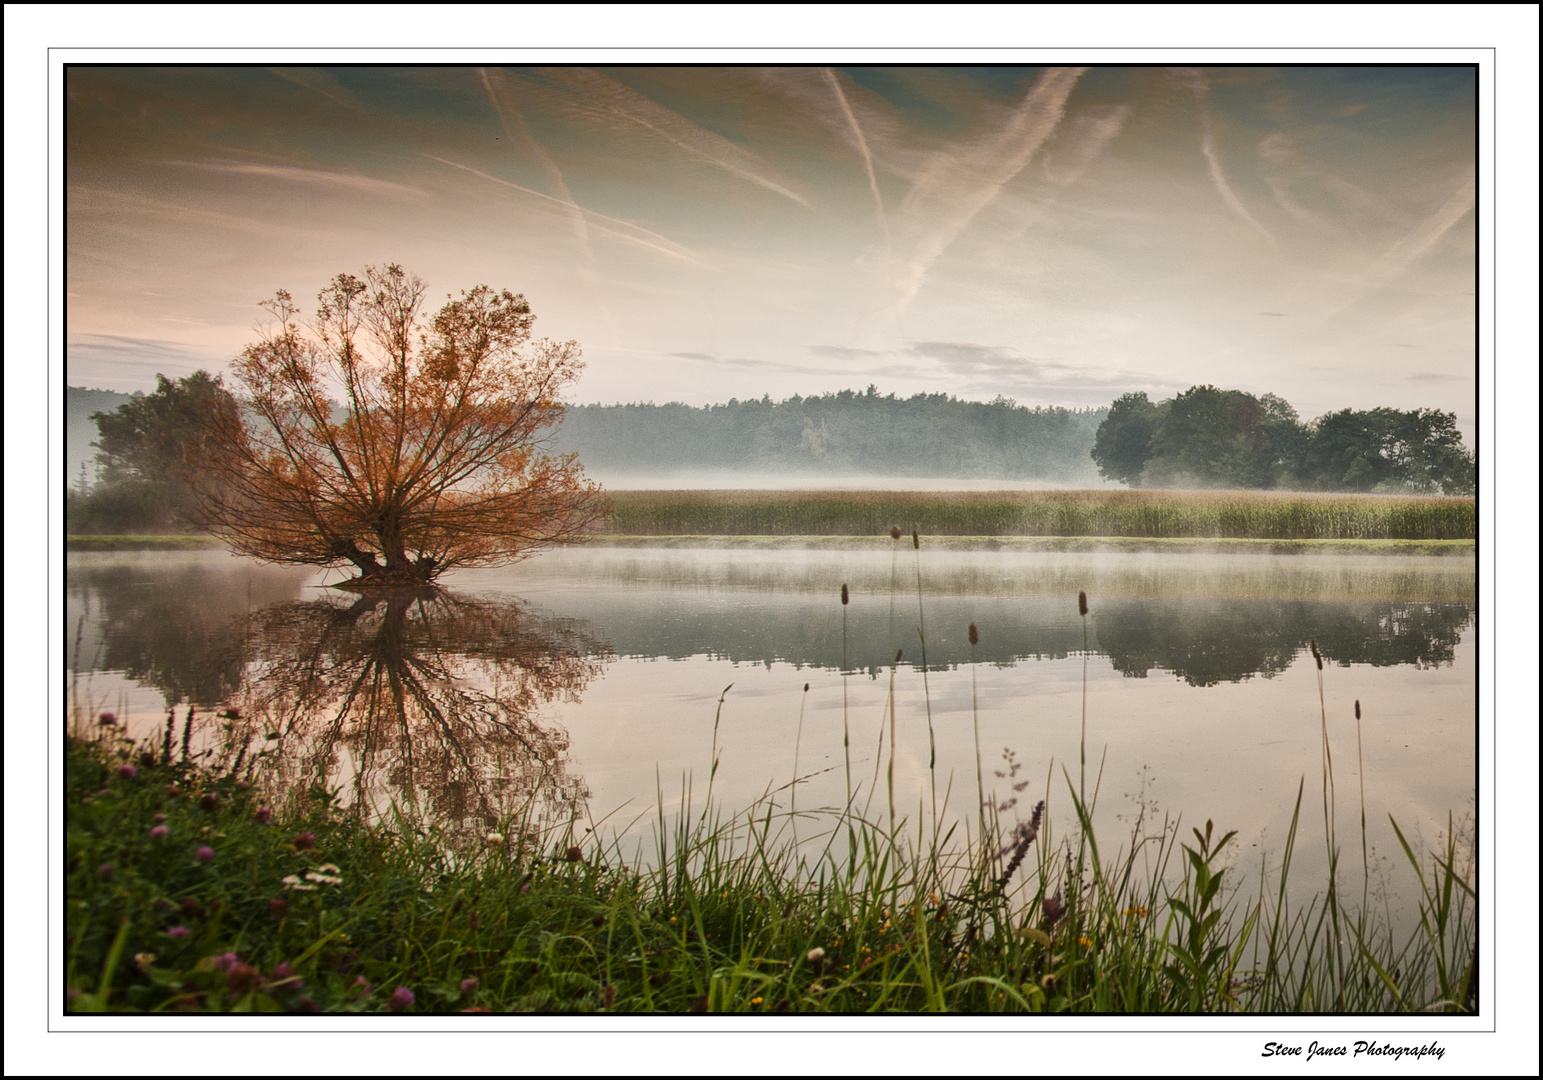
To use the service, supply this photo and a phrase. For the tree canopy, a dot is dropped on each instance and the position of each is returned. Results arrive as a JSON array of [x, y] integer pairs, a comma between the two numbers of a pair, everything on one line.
[[1208, 437], [401, 444]]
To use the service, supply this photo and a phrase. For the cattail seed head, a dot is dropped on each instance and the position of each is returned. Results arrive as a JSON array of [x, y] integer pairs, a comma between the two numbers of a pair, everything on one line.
[[845, 597], [1358, 708], [1082, 602], [916, 540], [894, 532], [1312, 643], [974, 635]]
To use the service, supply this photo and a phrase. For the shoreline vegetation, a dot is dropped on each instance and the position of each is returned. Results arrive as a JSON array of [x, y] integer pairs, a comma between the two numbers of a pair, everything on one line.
[[186, 893], [1093, 520]]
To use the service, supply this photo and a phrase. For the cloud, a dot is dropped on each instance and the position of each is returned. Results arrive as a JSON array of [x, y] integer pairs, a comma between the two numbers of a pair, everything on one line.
[[626, 231], [608, 97], [321, 82], [862, 146], [1083, 139], [958, 183], [1279, 150], [988, 370], [1201, 87], [843, 352], [292, 174], [132, 363], [1424, 235]]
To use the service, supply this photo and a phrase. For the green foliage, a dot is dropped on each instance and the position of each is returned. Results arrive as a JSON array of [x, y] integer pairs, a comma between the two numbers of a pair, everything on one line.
[[1123, 443], [142, 449], [1211, 438], [320, 913]]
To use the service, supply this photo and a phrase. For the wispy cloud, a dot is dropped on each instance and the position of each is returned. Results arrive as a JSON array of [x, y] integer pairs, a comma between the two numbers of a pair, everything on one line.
[[1278, 150], [130, 362], [1409, 247], [958, 184], [615, 99], [292, 174], [994, 369], [321, 82], [1201, 87], [843, 352], [862, 146], [1423, 236], [516, 130], [625, 231]]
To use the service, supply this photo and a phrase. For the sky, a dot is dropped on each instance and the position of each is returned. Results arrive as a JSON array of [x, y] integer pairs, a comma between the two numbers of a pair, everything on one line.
[[1053, 235]]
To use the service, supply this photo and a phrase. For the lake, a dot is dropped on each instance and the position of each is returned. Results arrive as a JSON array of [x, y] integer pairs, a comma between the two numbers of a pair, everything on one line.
[[587, 683]]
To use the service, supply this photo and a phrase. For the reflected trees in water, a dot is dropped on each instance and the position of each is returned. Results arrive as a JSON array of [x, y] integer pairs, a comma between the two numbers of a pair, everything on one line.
[[414, 698]]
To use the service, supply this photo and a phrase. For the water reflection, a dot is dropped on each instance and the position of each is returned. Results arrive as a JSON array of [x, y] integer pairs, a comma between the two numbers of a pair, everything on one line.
[[1207, 642], [172, 621], [1203, 641], [418, 697]]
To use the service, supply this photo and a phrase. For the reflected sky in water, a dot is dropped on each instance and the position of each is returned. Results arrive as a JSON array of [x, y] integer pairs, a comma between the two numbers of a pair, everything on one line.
[[586, 682]]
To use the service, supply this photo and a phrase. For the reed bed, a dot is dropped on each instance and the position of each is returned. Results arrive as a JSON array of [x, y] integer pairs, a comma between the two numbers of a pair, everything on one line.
[[1248, 515]]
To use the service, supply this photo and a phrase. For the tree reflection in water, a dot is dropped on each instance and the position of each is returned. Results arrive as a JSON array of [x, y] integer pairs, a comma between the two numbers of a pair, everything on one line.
[[413, 697]]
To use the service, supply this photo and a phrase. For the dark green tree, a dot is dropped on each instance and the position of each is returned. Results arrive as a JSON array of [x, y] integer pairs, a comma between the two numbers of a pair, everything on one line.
[[141, 448], [1123, 444], [1346, 452], [1212, 438], [1286, 443]]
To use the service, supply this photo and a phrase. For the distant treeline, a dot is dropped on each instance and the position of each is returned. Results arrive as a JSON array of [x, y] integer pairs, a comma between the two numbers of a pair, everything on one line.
[[850, 432], [1211, 438]]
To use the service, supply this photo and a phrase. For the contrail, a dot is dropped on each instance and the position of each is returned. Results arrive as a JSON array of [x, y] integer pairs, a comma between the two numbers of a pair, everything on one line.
[[619, 100], [1414, 243], [493, 83], [956, 187], [862, 146], [1202, 90], [1420, 240], [666, 247]]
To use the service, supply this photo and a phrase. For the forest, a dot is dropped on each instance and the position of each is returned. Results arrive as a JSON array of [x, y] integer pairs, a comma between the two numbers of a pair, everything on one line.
[[848, 432]]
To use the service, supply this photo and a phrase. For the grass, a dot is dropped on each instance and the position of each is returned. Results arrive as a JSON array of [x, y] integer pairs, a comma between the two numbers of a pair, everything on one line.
[[1190, 515], [232, 908]]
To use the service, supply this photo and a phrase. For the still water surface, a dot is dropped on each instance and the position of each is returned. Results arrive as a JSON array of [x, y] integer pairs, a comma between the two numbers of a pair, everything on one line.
[[587, 681]]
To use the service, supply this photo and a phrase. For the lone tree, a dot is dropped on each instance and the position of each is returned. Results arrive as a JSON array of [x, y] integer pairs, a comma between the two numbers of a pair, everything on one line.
[[434, 458]]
